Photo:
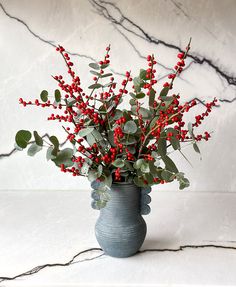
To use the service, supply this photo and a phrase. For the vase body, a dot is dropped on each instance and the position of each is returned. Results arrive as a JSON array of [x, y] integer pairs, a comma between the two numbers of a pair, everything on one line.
[[120, 229]]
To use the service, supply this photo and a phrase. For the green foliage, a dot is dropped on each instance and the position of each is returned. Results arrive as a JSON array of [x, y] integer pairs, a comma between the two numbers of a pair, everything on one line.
[[107, 141], [130, 127], [55, 142], [95, 86], [44, 96], [22, 138], [164, 92], [140, 95], [162, 146], [38, 139], [151, 98], [94, 66], [106, 75], [33, 149], [49, 154], [118, 162], [95, 73], [57, 95], [64, 157], [142, 74], [196, 148], [169, 164]]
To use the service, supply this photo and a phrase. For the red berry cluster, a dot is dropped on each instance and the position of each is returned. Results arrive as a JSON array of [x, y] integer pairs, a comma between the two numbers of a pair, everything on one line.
[[97, 110], [117, 174]]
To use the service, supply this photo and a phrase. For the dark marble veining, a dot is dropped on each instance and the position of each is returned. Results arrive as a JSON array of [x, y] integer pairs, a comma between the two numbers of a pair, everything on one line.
[[101, 253], [106, 9]]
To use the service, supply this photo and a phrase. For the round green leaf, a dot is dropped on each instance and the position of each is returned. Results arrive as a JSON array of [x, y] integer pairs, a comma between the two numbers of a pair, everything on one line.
[[130, 127], [142, 74], [145, 167], [33, 149], [95, 73], [55, 142], [38, 139], [22, 138], [118, 162], [57, 95], [94, 66], [138, 163], [49, 154], [64, 157], [44, 95], [140, 95]]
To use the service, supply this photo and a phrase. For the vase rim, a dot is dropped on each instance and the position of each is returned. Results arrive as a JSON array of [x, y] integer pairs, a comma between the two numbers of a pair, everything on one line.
[[123, 183]]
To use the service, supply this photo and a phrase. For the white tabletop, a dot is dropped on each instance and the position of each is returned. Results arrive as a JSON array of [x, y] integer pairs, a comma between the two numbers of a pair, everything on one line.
[[40, 227]]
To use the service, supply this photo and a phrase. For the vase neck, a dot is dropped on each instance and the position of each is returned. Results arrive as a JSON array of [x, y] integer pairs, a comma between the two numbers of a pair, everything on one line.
[[124, 200]]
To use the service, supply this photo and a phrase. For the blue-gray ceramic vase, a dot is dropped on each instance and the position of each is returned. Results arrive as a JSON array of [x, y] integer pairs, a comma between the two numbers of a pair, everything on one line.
[[120, 229]]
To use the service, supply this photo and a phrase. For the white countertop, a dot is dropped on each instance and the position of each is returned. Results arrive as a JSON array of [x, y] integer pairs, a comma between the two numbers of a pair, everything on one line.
[[40, 227]]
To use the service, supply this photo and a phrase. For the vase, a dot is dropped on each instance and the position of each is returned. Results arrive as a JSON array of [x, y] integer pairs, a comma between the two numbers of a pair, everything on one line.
[[120, 229]]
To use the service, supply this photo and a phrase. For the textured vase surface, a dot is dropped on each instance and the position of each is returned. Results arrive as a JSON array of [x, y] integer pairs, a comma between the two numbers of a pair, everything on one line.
[[120, 229]]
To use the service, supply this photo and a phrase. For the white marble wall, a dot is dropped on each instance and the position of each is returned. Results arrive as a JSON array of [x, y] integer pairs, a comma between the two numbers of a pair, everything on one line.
[[30, 29]]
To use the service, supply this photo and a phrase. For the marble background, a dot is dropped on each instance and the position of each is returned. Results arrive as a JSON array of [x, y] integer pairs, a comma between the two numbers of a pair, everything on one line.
[[29, 30]]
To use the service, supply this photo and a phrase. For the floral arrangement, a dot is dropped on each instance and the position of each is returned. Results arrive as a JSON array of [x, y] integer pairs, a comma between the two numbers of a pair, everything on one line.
[[114, 144]]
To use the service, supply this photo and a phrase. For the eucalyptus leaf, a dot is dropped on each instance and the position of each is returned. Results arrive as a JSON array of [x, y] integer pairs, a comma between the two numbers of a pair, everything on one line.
[[94, 66], [44, 96], [104, 66], [151, 98], [38, 139], [175, 143], [49, 154], [22, 138], [95, 86], [33, 149], [162, 147], [166, 175], [106, 75], [57, 95], [140, 95], [196, 148], [145, 167], [64, 157], [138, 163], [55, 142], [139, 181], [169, 164], [164, 92], [118, 162], [142, 74], [130, 127], [95, 73]]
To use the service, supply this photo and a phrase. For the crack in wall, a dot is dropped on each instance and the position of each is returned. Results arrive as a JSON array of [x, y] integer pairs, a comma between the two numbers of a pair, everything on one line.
[[178, 5], [228, 101], [72, 260], [48, 42], [101, 7]]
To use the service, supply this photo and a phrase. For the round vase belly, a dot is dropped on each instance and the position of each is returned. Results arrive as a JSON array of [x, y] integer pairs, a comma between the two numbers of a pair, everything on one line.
[[120, 229]]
